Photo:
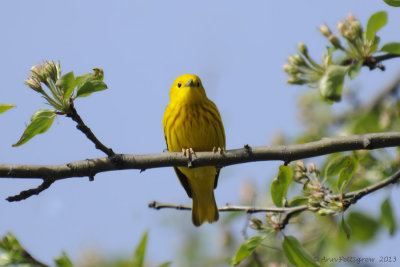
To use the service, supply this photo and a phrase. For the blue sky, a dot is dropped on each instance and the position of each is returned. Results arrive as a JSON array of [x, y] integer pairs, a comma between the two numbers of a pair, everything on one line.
[[237, 50]]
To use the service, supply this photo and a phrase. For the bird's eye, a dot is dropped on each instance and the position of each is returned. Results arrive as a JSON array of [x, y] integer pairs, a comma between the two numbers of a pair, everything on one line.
[[179, 85], [198, 84]]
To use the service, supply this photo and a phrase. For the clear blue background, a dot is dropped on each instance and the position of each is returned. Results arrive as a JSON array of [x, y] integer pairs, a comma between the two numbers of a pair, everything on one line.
[[238, 50]]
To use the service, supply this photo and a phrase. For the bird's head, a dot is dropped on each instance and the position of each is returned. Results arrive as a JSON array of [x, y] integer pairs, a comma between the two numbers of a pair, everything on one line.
[[187, 89]]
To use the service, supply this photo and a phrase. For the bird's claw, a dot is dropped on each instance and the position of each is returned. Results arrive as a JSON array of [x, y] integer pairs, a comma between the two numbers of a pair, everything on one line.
[[188, 152], [220, 150]]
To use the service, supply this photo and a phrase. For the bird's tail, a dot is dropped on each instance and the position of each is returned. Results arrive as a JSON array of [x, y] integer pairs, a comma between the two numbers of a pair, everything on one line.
[[204, 208]]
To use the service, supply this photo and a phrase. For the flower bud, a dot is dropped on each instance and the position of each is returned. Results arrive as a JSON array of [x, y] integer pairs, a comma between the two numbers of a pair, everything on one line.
[[34, 84], [356, 27], [342, 27], [302, 48], [351, 17], [37, 72], [295, 80], [300, 166], [349, 34], [290, 69], [334, 41], [311, 167], [324, 212], [297, 60], [50, 70], [255, 223], [98, 73], [324, 29]]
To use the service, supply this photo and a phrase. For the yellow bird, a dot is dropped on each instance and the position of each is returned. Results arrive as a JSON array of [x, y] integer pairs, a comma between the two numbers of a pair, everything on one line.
[[192, 123]]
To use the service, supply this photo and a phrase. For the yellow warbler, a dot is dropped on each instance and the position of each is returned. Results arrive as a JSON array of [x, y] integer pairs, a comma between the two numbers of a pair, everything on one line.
[[192, 123]]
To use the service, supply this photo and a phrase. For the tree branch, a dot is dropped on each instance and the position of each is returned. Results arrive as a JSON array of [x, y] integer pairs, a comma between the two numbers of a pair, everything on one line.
[[91, 167], [30, 192], [229, 208], [81, 126], [348, 198], [372, 62], [390, 89]]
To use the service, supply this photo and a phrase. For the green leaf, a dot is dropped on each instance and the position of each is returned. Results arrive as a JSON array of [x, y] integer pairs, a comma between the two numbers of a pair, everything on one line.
[[387, 217], [363, 227], [41, 121], [345, 227], [138, 259], [395, 3], [336, 165], [63, 261], [165, 264], [280, 185], [247, 247], [89, 83], [375, 23], [11, 250], [354, 69], [374, 45], [67, 84], [393, 48], [5, 107], [331, 84], [296, 254], [297, 201], [346, 173], [13, 254]]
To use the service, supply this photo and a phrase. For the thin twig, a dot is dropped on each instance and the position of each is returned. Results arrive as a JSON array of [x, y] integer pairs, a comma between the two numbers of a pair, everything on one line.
[[350, 198], [81, 126], [372, 62], [228, 208], [90, 167], [391, 88], [30, 192], [26, 255]]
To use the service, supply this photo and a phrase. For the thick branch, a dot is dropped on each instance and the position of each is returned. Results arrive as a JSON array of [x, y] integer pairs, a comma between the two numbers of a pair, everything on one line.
[[91, 167]]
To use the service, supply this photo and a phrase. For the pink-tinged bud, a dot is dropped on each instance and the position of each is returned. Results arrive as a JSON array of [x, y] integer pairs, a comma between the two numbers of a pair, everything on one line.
[[50, 70], [311, 167], [351, 17], [341, 26], [37, 72], [301, 167], [324, 29], [34, 84]]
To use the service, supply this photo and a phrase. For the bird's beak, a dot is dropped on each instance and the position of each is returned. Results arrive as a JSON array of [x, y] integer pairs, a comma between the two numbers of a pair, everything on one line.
[[189, 83]]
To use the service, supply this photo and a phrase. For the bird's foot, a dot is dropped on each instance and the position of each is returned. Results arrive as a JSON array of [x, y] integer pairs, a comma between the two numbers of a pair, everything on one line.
[[188, 153], [220, 150]]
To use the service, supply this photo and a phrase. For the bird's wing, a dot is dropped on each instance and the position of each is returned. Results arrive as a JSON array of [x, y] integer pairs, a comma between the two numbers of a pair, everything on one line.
[[184, 181], [216, 177], [182, 178]]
